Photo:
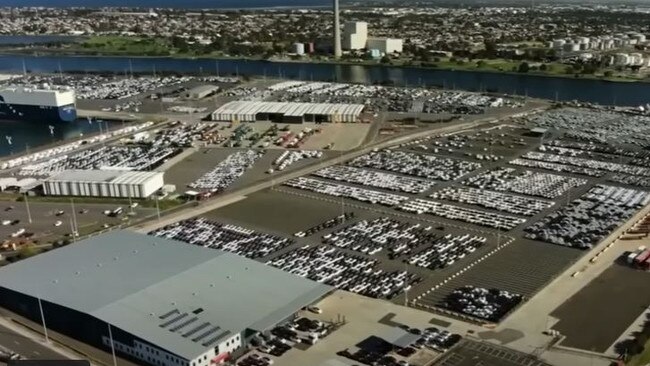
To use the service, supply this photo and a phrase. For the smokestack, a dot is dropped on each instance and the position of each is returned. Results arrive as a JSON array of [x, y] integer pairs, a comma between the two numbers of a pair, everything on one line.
[[337, 31]]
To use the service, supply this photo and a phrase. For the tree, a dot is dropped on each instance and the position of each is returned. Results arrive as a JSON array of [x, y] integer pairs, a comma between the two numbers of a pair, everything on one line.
[[543, 67], [385, 59], [609, 73], [523, 67]]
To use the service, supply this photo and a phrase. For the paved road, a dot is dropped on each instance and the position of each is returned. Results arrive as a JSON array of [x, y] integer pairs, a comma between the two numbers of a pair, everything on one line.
[[26, 347]]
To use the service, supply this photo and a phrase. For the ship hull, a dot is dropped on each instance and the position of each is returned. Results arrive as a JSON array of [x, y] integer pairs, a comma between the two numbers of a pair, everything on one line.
[[35, 113]]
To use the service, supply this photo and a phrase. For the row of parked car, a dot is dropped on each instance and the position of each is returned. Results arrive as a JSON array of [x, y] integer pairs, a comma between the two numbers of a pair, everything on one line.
[[453, 212], [227, 171], [290, 157], [236, 239], [342, 190], [588, 163], [499, 201], [446, 250], [392, 182], [354, 273], [338, 220], [415, 164], [556, 167], [633, 180], [590, 218], [478, 302], [526, 182], [590, 125], [118, 157], [371, 237]]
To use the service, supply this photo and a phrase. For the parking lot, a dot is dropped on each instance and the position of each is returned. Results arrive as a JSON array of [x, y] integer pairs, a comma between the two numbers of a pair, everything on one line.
[[458, 187], [614, 299], [472, 353], [48, 222], [361, 318]]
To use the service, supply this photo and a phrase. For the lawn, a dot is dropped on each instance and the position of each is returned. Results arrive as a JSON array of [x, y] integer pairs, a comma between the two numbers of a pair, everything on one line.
[[642, 359], [128, 45]]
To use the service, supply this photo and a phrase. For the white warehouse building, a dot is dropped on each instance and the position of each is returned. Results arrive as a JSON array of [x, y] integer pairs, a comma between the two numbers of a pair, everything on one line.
[[355, 35], [161, 302], [287, 112], [385, 45], [103, 183]]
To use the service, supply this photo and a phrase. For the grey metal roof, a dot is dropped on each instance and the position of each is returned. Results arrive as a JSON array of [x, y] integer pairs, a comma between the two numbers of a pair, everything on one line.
[[143, 284], [289, 108], [399, 337], [99, 175]]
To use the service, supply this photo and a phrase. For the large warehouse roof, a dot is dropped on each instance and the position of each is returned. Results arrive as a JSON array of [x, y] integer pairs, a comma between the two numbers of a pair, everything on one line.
[[99, 175], [290, 109], [180, 297]]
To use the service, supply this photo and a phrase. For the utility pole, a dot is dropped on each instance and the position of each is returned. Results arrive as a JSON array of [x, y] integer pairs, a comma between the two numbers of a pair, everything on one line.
[[74, 214], [29, 214], [157, 208], [72, 231], [110, 336], [406, 291], [40, 307]]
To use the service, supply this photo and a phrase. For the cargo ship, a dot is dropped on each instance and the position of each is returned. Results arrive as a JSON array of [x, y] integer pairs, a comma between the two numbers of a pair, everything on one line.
[[37, 105]]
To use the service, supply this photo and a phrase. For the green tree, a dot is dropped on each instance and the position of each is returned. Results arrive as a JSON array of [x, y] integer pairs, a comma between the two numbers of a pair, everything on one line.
[[524, 67], [385, 59]]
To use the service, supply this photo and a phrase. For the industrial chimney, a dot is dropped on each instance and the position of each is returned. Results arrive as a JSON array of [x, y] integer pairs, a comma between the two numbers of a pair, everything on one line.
[[337, 31]]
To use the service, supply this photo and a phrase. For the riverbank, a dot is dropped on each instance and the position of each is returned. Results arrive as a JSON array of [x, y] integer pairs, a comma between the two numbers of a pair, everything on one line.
[[497, 66]]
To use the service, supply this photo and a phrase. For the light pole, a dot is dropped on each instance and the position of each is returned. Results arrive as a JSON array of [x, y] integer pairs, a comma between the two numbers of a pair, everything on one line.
[[29, 214], [110, 336], [40, 307], [157, 207], [74, 215], [9, 141], [72, 232]]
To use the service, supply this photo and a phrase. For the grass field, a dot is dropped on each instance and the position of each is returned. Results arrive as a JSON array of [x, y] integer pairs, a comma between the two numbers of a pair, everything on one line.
[[128, 45], [643, 359]]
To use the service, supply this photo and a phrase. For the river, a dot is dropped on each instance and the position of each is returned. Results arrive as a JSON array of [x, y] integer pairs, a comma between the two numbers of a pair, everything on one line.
[[587, 90]]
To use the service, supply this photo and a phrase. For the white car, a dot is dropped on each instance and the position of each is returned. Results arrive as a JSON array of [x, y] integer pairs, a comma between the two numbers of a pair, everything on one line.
[[6, 222], [315, 309], [58, 223]]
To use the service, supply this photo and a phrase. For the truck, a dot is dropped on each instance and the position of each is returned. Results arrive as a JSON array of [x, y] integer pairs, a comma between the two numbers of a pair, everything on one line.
[[641, 258]]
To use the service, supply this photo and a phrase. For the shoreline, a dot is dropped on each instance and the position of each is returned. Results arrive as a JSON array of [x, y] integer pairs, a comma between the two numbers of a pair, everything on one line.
[[320, 62]]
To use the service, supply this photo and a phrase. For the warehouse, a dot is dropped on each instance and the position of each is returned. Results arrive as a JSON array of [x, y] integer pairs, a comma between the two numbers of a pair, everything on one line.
[[157, 301], [103, 183], [288, 112]]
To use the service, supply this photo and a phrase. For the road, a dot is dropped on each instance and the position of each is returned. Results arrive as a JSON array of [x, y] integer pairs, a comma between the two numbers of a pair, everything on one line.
[[28, 348]]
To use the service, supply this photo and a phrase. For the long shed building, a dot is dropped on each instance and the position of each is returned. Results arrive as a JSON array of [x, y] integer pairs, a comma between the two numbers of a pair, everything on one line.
[[103, 183], [156, 301], [287, 112]]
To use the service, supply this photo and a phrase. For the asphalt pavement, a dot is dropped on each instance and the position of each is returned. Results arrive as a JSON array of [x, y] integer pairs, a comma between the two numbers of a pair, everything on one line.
[[26, 347]]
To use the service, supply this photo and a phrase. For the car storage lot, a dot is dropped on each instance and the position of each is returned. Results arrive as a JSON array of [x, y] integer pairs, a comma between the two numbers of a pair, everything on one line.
[[506, 261], [288, 210], [197, 164], [595, 317]]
